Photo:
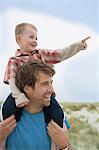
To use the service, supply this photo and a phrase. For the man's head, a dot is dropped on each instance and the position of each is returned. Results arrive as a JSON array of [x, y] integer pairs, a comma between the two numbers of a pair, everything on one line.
[[26, 36], [35, 80]]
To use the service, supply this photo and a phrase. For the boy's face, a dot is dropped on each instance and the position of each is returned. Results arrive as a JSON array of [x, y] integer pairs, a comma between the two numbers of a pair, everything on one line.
[[40, 95], [27, 41]]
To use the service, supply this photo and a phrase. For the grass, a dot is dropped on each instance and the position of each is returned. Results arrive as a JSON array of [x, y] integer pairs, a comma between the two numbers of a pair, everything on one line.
[[82, 135], [79, 106]]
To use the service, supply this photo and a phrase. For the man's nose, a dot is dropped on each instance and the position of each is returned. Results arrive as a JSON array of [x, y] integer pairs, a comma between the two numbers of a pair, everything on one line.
[[51, 88]]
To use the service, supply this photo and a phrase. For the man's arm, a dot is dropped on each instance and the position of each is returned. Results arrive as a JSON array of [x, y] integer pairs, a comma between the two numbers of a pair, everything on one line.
[[6, 127], [58, 135]]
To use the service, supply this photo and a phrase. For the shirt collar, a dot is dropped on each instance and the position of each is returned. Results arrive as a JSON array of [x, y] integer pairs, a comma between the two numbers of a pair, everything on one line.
[[21, 52]]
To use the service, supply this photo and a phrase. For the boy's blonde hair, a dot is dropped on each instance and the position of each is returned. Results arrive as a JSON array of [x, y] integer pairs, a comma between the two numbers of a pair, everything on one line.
[[21, 27]]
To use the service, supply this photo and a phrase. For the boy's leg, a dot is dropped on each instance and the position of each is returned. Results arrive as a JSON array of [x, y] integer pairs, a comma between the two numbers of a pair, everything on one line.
[[9, 108], [54, 111]]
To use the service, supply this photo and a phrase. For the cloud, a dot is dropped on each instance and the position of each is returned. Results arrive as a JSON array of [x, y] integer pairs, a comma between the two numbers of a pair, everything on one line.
[[54, 33]]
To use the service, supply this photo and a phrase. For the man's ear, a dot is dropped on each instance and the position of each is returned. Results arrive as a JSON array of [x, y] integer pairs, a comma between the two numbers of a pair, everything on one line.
[[26, 88]]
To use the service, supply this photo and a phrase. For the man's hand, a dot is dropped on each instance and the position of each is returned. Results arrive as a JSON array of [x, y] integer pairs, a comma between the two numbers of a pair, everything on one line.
[[6, 127], [58, 135], [84, 42]]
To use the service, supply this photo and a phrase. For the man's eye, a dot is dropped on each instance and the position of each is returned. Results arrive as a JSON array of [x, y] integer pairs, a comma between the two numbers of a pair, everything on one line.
[[45, 84]]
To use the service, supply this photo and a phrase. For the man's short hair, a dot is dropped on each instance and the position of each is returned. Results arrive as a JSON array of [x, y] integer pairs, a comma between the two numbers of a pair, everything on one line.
[[28, 74]]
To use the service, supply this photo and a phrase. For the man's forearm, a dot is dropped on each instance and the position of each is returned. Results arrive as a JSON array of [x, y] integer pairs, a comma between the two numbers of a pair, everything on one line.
[[2, 144]]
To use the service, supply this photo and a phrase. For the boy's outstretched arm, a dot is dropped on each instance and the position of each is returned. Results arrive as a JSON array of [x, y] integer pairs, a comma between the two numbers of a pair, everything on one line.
[[71, 50]]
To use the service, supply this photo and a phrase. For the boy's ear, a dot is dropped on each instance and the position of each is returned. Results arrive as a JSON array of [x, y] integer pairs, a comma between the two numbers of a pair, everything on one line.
[[18, 38]]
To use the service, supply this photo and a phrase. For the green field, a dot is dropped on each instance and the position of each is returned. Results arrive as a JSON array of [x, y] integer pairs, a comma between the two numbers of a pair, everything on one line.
[[84, 120]]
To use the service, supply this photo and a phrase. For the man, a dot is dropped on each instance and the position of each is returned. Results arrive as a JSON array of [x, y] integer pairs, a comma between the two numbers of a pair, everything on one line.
[[31, 132]]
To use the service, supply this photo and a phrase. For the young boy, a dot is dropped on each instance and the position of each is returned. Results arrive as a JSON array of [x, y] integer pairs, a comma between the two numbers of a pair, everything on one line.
[[26, 38]]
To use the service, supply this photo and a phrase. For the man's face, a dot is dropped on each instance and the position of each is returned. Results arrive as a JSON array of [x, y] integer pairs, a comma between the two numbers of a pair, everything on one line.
[[40, 95], [28, 40]]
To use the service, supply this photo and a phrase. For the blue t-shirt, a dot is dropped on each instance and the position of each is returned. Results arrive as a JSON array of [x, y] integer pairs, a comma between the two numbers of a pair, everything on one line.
[[30, 133]]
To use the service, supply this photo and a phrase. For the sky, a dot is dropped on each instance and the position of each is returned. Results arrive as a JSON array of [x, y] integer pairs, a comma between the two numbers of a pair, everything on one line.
[[60, 23]]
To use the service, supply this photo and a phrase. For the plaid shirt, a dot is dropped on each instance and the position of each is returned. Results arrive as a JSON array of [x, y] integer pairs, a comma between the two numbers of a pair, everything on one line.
[[42, 55]]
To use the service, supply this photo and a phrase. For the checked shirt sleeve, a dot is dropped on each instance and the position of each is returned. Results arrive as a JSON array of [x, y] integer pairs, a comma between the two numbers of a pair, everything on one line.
[[50, 56], [11, 69]]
